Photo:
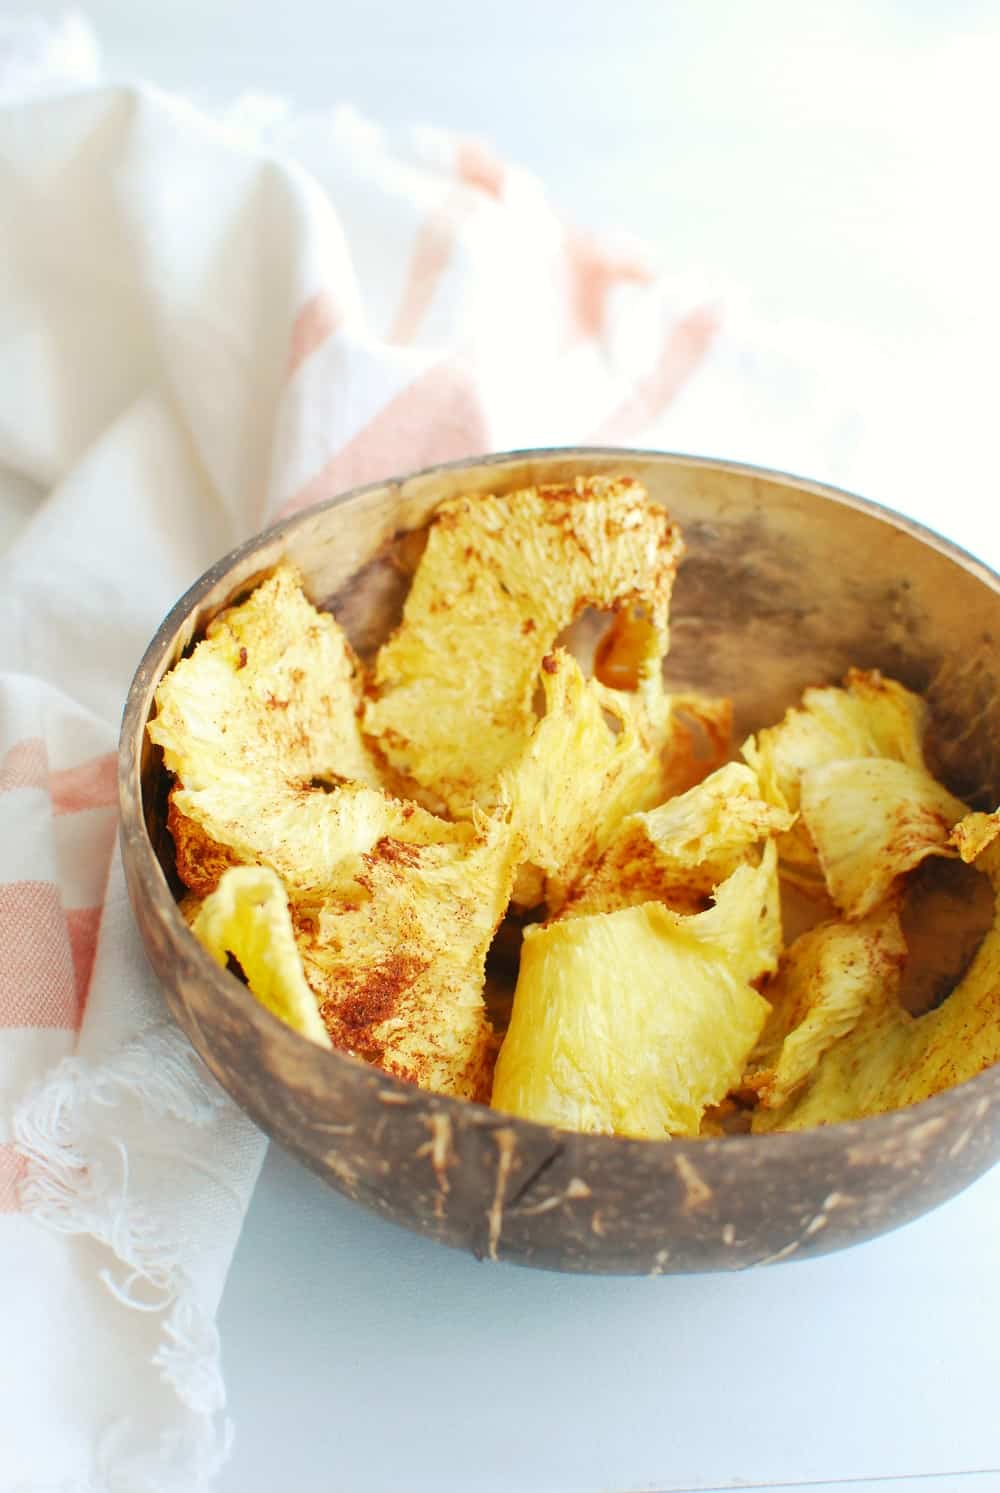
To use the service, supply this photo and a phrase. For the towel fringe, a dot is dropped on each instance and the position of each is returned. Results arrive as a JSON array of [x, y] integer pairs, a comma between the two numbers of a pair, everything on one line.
[[73, 1192]]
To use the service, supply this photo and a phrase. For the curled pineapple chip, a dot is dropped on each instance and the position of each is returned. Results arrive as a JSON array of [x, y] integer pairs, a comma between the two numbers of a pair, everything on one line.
[[744, 922], [272, 688], [395, 950], [595, 756], [393, 912], [247, 916], [392, 909], [679, 852], [872, 820], [891, 1059], [826, 980], [500, 578], [870, 717], [302, 832], [625, 1023]]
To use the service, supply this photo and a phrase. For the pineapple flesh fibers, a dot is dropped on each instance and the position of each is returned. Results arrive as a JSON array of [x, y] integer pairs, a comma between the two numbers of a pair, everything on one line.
[[392, 909], [679, 852], [891, 1059], [827, 979], [872, 820], [247, 917], [595, 756], [500, 579], [272, 687], [625, 1023], [850, 761], [869, 717]]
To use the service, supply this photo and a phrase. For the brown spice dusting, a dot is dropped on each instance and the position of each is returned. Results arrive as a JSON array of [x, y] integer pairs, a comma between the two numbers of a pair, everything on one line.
[[199, 859], [243, 659], [394, 852], [550, 663], [372, 998]]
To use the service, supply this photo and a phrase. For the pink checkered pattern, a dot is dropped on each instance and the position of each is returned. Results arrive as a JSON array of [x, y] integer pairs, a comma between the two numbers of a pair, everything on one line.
[[57, 826]]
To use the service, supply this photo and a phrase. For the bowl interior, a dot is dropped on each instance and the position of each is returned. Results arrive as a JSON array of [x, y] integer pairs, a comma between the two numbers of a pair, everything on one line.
[[785, 584]]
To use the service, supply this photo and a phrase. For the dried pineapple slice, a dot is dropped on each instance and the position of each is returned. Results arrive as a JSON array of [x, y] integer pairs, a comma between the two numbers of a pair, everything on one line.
[[393, 913], [679, 852], [625, 1023], [594, 757], [827, 979], [891, 1059], [745, 919], [500, 578], [247, 916], [392, 908], [872, 820], [869, 717], [302, 832], [396, 951], [273, 686]]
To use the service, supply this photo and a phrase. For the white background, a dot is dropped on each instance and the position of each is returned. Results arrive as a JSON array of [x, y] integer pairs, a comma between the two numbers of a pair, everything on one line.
[[827, 168], [829, 172]]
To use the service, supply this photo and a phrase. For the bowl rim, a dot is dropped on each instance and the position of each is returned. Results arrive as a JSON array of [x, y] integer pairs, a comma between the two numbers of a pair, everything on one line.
[[871, 1129]]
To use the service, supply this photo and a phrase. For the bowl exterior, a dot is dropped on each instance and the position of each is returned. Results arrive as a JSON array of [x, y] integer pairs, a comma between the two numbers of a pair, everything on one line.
[[786, 584]]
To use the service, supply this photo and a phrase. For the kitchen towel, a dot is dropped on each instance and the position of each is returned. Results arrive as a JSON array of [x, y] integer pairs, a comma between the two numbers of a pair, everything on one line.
[[206, 323]]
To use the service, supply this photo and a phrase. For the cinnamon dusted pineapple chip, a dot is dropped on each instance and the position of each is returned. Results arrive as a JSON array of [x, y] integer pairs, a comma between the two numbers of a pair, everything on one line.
[[392, 909], [869, 717], [393, 912], [828, 978], [395, 950], [499, 580], [891, 1059], [594, 757], [630, 1017], [871, 820], [679, 852], [625, 1023], [273, 686]]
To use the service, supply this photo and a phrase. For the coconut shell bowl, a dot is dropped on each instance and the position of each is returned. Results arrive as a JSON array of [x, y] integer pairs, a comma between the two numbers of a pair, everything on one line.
[[786, 584]]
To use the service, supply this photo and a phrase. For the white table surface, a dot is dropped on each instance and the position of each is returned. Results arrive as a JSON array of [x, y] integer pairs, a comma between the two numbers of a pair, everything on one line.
[[364, 1359], [832, 163]]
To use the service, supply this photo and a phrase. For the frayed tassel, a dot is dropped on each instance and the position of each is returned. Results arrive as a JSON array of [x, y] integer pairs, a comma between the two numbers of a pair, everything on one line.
[[73, 1192]]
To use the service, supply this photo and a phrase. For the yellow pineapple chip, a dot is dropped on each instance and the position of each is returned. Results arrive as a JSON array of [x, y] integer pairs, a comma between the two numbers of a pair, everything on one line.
[[247, 916], [744, 922], [392, 909], [301, 832], [975, 834], [499, 580], [826, 980], [393, 912], [395, 952], [272, 688], [891, 1059], [594, 757], [679, 852], [624, 1023], [871, 820], [869, 717]]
